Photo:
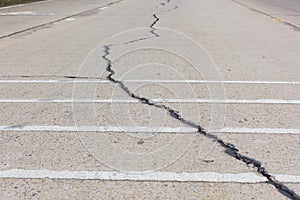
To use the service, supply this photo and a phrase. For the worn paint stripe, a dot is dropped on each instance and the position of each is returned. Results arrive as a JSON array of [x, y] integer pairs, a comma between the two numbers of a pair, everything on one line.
[[143, 176], [100, 129], [151, 81], [256, 130], [140, 129], [210, 101]]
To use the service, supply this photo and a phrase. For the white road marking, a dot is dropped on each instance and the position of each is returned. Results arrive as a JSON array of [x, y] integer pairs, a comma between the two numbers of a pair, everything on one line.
[[23, 13], [103, 8], [69, 19], [141, 129], [54, 81], [215, 81], [256, 130], [144, 176], [209, 101], [288, 178], [152, 81], [100, 129], [26, 13]]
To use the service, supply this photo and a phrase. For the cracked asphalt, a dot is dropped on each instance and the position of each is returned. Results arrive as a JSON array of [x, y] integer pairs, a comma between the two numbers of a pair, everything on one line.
[[144, 89]]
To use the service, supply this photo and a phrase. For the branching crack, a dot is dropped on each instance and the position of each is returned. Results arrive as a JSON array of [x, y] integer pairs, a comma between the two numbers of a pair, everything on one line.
[[230, 149]]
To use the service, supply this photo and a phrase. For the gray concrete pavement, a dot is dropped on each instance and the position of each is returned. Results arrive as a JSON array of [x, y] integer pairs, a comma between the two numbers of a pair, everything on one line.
[[222, 65], [33, 15], [284, 10], [79, 189]]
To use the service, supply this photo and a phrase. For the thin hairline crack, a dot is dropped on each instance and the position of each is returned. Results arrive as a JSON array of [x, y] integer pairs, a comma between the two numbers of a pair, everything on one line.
[[230, 149]]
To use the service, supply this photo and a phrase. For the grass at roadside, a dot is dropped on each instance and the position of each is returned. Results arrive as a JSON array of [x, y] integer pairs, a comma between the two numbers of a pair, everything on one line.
[[14, 2]]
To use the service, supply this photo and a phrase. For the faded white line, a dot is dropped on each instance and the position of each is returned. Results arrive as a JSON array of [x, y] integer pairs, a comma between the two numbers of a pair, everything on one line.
[[215, 81], [144, 176], [209, 101], [153, 81], [103, 8], [287, 178], [141, 129], [256, 130], [54, 81], [69, 19], [100, 129], [23, 13], [26, 13]]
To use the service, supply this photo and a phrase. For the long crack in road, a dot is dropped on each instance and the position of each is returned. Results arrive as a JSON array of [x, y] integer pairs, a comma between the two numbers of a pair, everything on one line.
[[230, 149]]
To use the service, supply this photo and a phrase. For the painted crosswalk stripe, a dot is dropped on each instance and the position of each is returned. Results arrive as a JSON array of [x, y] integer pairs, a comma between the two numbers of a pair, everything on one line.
[[141, 129], [144, 176], [207, 101], [148, 81]]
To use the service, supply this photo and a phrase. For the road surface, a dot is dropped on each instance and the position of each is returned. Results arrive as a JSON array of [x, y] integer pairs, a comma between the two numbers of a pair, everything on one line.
[[68, 132], [285, 10]]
